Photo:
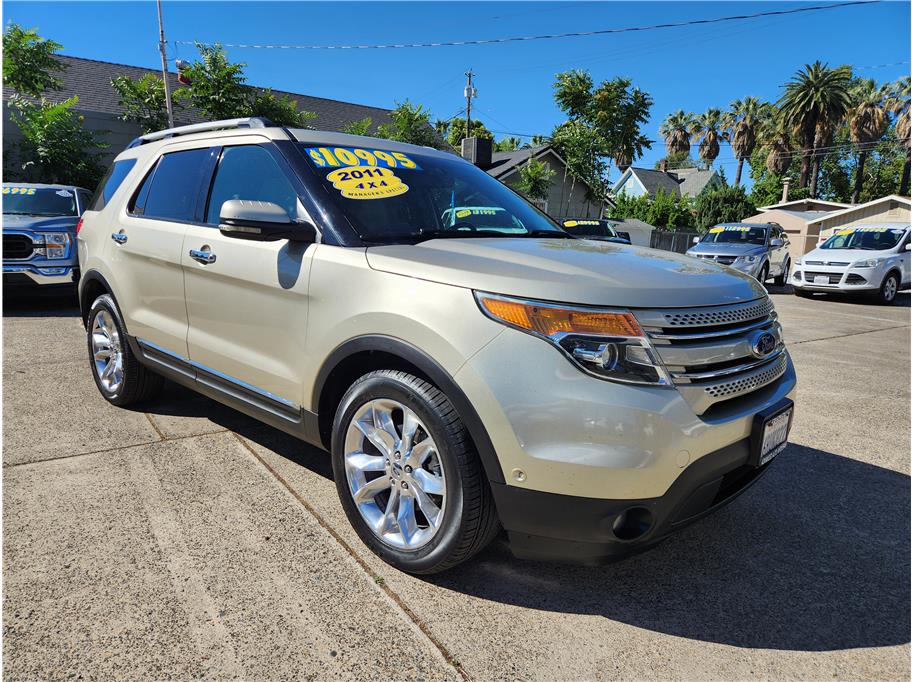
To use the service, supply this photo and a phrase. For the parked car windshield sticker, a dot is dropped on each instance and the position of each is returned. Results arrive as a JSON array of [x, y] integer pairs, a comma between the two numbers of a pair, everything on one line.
[[728, 228], [574, 223], [63, 193], [18, 190], [850, 230], [355, 156], [367, 183]]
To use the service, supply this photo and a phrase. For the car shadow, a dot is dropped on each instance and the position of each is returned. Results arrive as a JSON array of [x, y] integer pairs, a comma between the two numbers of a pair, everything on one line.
[[814, 558], [57, 304]]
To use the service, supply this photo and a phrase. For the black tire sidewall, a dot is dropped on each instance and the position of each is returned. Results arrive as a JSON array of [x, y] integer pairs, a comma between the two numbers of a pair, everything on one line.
[[427, 558], [106, 302], [764, 273], [881, 295]]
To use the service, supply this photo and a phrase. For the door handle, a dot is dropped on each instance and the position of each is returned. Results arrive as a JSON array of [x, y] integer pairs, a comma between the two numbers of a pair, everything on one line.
[[202, 256], [119, 237]]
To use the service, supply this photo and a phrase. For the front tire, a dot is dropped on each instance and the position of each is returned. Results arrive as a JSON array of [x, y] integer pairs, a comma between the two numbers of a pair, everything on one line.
[[408, 476], [886, 295], [764, 273], [119, 376], [781, 279]]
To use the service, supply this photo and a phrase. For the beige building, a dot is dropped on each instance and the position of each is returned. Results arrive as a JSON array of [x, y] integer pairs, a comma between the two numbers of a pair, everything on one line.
[[890, 209], [798, 218]]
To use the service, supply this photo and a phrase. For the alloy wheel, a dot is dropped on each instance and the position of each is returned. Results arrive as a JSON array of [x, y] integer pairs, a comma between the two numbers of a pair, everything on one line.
[[889, 288], [107, 353], [394, 473]]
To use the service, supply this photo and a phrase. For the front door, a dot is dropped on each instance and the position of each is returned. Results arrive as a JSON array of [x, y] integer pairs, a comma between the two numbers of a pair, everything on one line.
[[247, 300], [144, 251]]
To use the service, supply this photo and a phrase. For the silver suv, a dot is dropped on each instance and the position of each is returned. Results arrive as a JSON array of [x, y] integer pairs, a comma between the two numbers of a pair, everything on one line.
[[759, 249], [466, 376]]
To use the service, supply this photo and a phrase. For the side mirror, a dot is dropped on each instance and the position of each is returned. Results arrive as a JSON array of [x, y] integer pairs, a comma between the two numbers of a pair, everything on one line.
[[775, 242], [909, 247], [696, 240], [262, 221]]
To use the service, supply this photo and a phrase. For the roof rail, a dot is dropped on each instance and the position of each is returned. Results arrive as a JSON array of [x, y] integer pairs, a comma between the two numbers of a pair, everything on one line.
[[248, 122]]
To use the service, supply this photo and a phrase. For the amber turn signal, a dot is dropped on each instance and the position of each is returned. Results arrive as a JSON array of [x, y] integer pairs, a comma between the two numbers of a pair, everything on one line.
[[548, 320]]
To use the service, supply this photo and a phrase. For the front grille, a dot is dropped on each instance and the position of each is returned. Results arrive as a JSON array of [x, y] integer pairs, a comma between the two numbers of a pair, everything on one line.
[[824, 262], [834, 277], [724, 260], [709, 352], [17, 247]]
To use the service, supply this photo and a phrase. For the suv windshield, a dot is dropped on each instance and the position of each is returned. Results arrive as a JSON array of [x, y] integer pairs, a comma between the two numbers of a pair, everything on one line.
[[43, 201], [865, 238], [398, 197], [735, 234]]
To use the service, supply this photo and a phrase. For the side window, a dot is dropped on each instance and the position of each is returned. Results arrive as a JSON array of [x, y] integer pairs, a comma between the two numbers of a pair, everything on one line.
[[138, 203], [171, 190], [249, 172], [109, 184]]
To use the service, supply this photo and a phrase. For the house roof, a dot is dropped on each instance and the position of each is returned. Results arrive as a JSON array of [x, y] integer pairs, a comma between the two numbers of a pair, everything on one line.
[[504, 163], [630, 222], [806, 204], [680, 182], [91, 81], [860, 207]]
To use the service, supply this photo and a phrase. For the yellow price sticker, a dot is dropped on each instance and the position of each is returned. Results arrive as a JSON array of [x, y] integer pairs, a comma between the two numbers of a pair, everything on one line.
[[716, 230], [464, 213], [18, 190], [367, 183], [337, 157], [570, 223]]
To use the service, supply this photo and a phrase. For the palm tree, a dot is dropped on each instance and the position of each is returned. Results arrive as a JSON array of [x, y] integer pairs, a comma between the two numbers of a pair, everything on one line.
[[899, 105], [743, 122], [707, 127], [867, 118], [815, 95], [675, 130], [777, 142]]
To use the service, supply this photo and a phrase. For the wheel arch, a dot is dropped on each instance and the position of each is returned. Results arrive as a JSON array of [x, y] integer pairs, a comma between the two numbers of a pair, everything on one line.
[[358, 356], [92, 284]]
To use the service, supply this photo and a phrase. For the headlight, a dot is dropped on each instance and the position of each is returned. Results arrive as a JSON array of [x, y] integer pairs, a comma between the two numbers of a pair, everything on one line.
[[746, 259], [608, 344], [52, 244], [798, 263], [870, 263]]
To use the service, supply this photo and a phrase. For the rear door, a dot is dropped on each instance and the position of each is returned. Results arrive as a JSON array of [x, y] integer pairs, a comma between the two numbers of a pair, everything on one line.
[[144, 252], [248, 305]]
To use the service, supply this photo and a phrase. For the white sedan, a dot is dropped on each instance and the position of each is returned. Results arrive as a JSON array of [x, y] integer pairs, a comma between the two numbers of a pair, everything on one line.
[[866, 258]]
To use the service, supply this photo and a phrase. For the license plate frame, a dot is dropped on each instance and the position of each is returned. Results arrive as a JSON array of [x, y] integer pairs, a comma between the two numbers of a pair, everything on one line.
[[821, 279], [763, 451]]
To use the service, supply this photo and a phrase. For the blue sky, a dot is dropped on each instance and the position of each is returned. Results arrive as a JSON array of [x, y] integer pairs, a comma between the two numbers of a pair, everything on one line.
[[691, 68]]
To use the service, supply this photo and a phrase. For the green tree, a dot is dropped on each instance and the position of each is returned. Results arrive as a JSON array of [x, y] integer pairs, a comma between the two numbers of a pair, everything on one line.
[[707, 127], [410, 123], [664, 211], [29, 63], [359, 127], [899, 105], [743, 121], [722, 205], [507, 144], [535, 179], [675, 130], [676, 160], [456, 132], [56, 147], [142, 101], [579, 146], [614, 111], [868, 121], [283, 111], [816, 98]]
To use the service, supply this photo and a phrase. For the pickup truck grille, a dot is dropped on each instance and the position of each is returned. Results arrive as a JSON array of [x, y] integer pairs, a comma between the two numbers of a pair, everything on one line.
[[17, 247], [708, 351]]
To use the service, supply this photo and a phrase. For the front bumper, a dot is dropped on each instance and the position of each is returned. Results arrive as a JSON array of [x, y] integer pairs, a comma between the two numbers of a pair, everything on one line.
[[836, 280], [548, 526], [21, 275]]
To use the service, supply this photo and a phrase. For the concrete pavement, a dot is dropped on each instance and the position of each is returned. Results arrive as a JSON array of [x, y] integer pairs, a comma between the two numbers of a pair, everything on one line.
[[186, 540]]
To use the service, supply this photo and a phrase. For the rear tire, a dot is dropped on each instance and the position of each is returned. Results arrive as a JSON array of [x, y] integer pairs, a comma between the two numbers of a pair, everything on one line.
[[781, 280], [119, 376], [420, 509]]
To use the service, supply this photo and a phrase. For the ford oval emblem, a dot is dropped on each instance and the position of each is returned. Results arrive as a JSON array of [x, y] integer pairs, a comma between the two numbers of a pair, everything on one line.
[[763, 345]]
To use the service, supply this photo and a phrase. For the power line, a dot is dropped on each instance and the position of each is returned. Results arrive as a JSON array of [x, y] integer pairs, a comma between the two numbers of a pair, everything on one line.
[[551, 36]]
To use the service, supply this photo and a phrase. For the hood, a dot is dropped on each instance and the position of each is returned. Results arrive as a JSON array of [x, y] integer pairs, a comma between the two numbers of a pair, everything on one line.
[[727, 249], [841, 256], [45, 223], [569, 271]]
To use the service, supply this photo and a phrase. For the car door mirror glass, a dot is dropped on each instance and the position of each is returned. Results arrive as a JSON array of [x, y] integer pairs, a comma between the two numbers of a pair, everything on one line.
[[775, 242], [696, 240], [262, 221]]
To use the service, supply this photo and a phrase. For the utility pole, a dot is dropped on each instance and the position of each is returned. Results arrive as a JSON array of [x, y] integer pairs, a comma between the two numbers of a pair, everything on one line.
[[161, 47], [470, 92]]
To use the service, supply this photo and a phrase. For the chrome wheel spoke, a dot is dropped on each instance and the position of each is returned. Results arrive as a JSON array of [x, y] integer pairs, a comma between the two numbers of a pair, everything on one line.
[[430, 510], [428, 482], [410, 425], [371, 489], [388, 518], [103, 354], [378, 437], [361, 461], [420, 452], [405, 518]]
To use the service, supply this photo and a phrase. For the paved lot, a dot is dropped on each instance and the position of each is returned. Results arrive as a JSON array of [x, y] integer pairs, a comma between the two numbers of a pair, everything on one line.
[[186, 541]]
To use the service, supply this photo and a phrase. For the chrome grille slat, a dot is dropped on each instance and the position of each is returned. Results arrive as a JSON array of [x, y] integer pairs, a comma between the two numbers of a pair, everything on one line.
[[709, 352]]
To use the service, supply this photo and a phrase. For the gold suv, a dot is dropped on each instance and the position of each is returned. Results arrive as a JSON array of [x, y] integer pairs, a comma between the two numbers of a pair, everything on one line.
[[469, 365]]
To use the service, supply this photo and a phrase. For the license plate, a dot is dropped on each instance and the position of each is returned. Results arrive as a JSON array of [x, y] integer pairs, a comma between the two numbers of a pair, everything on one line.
[[775, 436], [821, 279]]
